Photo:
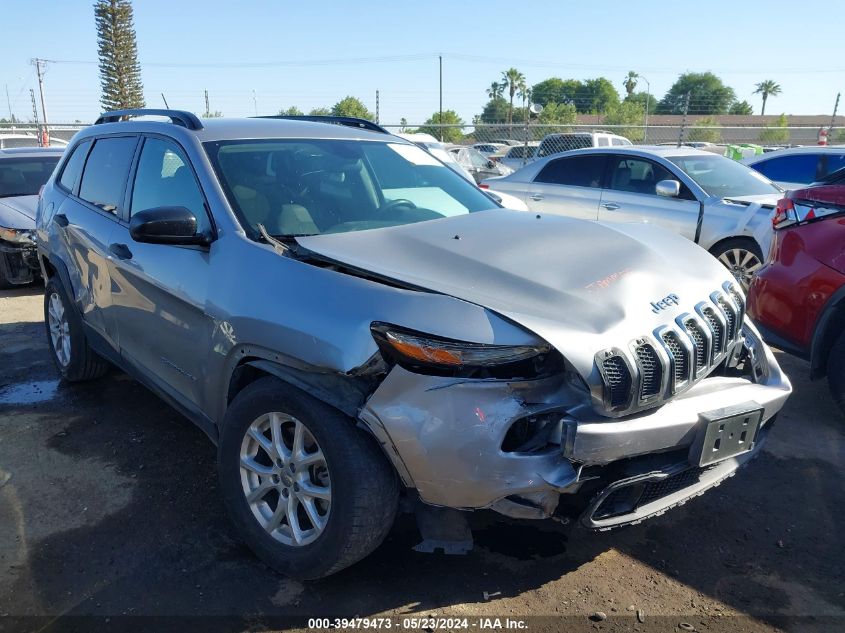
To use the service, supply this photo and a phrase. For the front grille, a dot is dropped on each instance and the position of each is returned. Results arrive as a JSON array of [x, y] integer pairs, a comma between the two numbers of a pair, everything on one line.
[[693, 345], [700, 344], [679, 356], [715, 328], [618, 379], [651, 370]]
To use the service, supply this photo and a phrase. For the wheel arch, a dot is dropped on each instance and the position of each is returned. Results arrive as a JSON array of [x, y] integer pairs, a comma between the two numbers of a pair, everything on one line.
[[714, 249], [831, 323]]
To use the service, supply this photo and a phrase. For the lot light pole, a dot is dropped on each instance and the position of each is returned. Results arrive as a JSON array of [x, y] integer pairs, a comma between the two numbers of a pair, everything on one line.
[[647, 100], [440, 59]]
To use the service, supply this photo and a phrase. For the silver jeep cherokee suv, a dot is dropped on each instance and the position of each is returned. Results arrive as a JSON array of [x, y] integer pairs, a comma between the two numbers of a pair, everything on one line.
[[352, 323]]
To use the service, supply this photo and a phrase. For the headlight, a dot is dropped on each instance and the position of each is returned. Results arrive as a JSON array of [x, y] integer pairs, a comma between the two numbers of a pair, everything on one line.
[[428, 354], [16, 236]]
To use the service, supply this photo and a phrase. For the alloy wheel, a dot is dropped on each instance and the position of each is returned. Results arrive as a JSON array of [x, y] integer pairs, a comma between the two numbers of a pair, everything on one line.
[[59, 329], [742, 263], [285, 479]]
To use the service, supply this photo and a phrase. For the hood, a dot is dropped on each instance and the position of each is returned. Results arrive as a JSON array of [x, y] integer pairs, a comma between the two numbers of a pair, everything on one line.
[[576, 283], [18, 212]]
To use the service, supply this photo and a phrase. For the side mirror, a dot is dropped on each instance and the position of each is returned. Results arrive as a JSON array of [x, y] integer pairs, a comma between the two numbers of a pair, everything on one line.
[[668, 188], [166, 225]]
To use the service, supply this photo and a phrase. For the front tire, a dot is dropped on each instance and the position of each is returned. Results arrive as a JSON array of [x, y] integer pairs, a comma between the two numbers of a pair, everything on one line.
[[309, 492], [836, 372], [742, 257], [69, 348]]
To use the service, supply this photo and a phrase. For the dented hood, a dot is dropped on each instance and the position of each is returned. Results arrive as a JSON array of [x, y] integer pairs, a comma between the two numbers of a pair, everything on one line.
[[570, 281]]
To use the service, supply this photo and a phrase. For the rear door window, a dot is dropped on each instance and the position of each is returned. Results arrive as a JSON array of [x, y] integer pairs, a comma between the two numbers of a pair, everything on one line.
[[577, 171], [801, 168], [106, 171]]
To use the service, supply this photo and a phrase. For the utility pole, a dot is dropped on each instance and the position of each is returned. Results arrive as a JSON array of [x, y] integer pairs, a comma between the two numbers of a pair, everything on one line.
[[684, 121], [35, 114], [833, 118], [377, 106], [207, 109], [40, 73], [440, 58], [9, 103]]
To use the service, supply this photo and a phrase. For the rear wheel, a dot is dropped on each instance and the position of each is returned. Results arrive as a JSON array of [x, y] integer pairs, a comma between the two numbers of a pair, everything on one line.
[[72, 355], [836, 372], [308, 491], [742, 257]]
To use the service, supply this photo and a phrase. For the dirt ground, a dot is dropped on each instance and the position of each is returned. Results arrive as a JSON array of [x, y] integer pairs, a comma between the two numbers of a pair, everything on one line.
[[110, 516]]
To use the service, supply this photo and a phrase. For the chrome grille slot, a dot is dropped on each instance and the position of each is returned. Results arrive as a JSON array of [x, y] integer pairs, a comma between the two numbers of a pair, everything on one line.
[[680, 360], [730, 317], [716, 330], [651, 371], [700, 341], [618, 379]]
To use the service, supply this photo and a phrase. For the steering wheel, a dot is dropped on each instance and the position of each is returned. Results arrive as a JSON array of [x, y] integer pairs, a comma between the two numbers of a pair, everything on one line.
[[399, 202]]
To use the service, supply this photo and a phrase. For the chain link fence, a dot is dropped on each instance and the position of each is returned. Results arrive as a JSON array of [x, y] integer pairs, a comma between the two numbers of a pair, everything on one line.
[[554, 138]]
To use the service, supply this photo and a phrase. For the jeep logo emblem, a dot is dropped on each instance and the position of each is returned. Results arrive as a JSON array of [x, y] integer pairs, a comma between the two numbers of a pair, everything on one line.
[[665, 302]]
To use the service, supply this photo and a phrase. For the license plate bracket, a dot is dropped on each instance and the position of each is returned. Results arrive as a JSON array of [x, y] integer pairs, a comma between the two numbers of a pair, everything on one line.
[[725, 433]]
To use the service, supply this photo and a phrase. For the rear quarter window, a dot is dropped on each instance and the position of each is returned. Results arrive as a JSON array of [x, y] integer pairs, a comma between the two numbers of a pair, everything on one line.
[[73, 166]]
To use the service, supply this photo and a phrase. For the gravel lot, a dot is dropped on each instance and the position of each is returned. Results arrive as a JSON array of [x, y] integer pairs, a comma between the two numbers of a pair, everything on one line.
[[109, 508]]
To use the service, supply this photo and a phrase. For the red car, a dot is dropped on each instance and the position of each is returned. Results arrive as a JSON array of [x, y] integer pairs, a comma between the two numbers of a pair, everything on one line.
[[798, 299]]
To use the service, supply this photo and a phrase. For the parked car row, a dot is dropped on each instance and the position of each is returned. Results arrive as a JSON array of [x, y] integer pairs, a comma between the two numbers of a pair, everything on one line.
[[718, 203], [353, 323]]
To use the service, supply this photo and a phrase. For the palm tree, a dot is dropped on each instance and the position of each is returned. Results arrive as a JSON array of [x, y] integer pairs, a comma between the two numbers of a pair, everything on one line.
[[767, 88], [495, 90], [630, 82], [512, 79], [524, 93]]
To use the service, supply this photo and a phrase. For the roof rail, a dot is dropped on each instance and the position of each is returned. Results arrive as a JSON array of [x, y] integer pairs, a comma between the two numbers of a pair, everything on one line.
[[179, 117], [349, 121]]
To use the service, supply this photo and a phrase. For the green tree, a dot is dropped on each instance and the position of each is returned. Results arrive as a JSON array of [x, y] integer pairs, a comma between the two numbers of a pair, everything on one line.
[[641, 98], [452, 134], [705, 130], [630, 83], [708, 95], [555, 90], [840, 136], [495, 111], [320, 112], [216, 114], [627, 113], [291, 111], [403, 124], [596, 96], [777, 132], [741, 107], [495, 90], [558, 114], [120, 71], [767, 88], [352, 106], [513, 81]]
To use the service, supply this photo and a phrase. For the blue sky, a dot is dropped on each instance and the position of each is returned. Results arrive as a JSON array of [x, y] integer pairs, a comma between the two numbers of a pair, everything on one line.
[[262, 55]]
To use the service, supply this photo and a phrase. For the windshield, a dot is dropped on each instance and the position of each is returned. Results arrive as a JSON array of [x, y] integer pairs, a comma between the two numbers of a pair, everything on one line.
[[722, 177], [316, 186], [25, 176]]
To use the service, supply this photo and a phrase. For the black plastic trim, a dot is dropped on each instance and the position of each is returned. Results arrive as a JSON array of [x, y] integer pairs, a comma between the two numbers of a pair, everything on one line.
[[186, 119]]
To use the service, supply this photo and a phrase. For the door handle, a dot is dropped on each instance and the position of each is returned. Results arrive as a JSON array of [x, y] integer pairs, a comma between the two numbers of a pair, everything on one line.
[[121, 251], [60, 219], [610, 206], [536, 197]]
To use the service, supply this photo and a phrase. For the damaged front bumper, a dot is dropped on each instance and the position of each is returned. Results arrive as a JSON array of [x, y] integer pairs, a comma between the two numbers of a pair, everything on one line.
[[450, 439], [20, 262]]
